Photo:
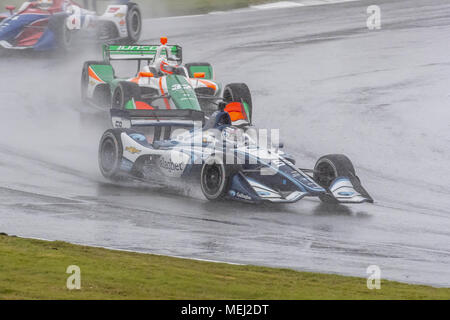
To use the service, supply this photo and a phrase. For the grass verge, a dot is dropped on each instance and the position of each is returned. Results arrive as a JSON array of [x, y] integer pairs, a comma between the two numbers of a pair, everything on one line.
[[33, 269]]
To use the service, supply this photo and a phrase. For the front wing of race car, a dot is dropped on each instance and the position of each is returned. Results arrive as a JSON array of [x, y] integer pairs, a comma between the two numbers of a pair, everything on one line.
[[291, 187]]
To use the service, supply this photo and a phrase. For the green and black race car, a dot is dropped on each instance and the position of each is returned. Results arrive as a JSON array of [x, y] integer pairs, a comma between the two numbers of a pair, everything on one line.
[[161, 82]]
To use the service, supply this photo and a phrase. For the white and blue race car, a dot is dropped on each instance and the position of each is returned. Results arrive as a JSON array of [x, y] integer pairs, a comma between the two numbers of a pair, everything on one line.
[[46, 25], [228, 161]]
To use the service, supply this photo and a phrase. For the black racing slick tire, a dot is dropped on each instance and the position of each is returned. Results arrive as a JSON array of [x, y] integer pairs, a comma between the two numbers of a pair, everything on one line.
[[134, 23], [330, 167], [63, 36], [110, 154], [215, 178], [125, 92], [239, 92]]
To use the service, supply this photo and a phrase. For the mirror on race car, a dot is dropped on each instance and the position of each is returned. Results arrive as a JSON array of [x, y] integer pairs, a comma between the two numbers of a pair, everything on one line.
[[199, 75], [146, 75]]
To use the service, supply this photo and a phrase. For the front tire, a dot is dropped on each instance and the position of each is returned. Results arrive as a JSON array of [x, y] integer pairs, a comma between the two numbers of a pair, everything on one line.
[[125, 92], [330, 167], [134, 23], [239, 92]]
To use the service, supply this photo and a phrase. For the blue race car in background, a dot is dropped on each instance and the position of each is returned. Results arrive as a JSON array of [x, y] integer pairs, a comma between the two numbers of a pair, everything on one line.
[[42, 25]]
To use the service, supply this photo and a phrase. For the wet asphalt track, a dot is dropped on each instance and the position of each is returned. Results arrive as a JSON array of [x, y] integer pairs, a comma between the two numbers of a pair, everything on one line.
[[332, 86]]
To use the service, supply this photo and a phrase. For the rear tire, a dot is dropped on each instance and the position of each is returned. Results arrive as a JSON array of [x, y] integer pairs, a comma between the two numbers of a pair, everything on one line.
[[330, 167], [134, 23], [107, 31], [125, 92], [239, 92], [110, 154]]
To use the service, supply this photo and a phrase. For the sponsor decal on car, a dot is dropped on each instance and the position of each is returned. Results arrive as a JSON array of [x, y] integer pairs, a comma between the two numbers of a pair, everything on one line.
[[171, 166], [178, 86], [239, 195], [133, 48], [132, 150], [346, 193], [113, 9]]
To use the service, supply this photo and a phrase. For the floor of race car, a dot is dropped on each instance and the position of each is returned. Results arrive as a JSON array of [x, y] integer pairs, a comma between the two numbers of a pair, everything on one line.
[[318, 74]]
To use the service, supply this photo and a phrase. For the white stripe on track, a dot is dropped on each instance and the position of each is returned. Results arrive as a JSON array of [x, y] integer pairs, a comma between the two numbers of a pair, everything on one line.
[[277, 5], [132, 251], [292, 4], [266, 6]]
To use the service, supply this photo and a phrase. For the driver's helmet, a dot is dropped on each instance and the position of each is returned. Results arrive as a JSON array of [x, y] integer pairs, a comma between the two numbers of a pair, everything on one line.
[[45, 4]]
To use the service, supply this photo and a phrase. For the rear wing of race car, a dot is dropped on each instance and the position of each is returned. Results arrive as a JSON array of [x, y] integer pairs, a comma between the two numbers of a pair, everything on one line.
[[157, 118], [139, 52]]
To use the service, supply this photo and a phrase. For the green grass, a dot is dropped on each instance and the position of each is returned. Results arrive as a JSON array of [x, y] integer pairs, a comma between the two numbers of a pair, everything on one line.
[[161, 8], [32, 269]]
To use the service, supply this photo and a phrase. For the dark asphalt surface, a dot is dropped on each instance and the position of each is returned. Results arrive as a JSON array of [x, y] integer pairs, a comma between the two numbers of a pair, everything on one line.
[[318, 74]]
